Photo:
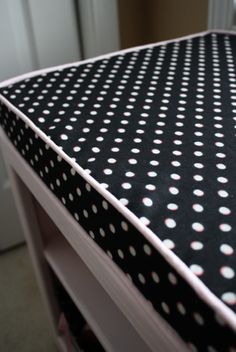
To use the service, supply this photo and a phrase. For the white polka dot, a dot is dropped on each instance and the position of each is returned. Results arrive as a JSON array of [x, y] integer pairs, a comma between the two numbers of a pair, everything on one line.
[[211, 349], [64, 137], [198, 318], [222, 179], [111, 161], [104, 204], [95, 149], [132, 251], [129, 174], [107, 171], [78, 191], [226, 249], [221, 166], [227, 272], [155, 277], [141, 278], [145, 221], [172, 206], [181, 308], [112, 228], [109, 254], [225, 227], [198, 192], [124, 201], [88, 187], [176, 163], [135, 150], [170, 223], [172, 278], [197, 226], [94, 209], [198, 165], [102, 232], [165, 307], [147, 202], [150, 187], [169, 243], [147, 249], [85, 213], [152, 174], [198, 178], [229, 298], [198, 208], [196, 245], [223, 193], [132, 161], [224, 210], [196, 269], [124, 225], [120, 253], [154, 163], [173, 190], [175, 176], [155, 151], [126, 185]]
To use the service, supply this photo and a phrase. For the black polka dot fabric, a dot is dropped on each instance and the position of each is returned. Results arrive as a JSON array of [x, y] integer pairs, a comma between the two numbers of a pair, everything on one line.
[[155, 127]]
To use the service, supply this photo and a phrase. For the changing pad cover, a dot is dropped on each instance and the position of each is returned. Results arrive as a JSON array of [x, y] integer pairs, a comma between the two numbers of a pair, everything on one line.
[[139, 146]]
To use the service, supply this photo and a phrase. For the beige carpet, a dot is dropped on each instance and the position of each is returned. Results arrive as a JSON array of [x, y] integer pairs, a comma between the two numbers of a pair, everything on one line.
[[24, 325]]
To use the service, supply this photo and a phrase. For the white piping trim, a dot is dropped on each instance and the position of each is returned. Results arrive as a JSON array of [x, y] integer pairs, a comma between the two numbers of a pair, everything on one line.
[[100, 57], [222, 31], [105, 56], [200, 288]]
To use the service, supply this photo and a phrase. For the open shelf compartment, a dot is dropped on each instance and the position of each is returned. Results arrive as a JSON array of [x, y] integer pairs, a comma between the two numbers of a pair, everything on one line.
[[108, 323]]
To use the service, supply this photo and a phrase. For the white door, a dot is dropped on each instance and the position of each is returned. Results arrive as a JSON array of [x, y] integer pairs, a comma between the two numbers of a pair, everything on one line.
[[33, 34], [41, 33], [222, 14]]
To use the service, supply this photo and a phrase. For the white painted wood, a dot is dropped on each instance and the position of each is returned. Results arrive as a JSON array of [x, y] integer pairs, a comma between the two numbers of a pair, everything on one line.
[[109, 324], [10, 228], [29, 221], [99, 26], [156, 333], [220, 14], [55, 31], [61, 344]]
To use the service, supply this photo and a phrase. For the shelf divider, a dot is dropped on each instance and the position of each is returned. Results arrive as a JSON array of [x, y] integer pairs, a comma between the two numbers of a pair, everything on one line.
[[108, 323]]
